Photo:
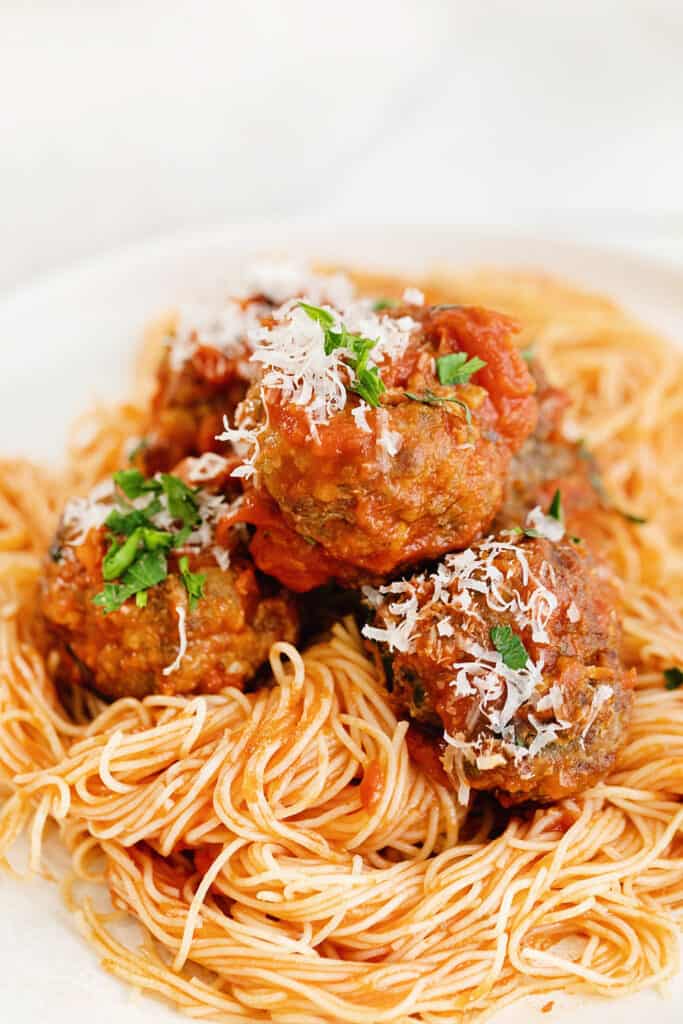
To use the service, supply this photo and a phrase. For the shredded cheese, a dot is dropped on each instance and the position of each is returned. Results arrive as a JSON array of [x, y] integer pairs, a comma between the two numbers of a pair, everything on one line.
[[573, 612], [545, 526], [279, 281], [414, 297], [500, 691], [206, 467], [225, 329], [222, 556], [242, 439], [360, 416], [601, 695], [182, 642]]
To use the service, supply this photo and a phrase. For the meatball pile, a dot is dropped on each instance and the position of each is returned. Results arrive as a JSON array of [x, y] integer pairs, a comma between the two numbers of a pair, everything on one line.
[[305, 447]]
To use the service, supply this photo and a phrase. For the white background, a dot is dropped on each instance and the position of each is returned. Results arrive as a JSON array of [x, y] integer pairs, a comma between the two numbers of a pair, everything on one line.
[[123, 121]]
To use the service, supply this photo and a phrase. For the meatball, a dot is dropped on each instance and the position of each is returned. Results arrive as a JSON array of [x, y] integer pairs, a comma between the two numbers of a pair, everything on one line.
[[206, 369], [507, 658], [360, 466], [548, 462], [139, 596], [203, 376]]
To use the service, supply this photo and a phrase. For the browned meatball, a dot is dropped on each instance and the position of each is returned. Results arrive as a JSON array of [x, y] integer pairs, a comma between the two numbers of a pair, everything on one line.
[[507, 654], [186, 614], [548, 462], [203, 376], [361, 467], [206, 370]]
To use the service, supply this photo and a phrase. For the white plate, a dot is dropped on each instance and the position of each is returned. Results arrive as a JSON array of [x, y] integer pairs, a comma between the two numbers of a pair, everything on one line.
[[70, 338]]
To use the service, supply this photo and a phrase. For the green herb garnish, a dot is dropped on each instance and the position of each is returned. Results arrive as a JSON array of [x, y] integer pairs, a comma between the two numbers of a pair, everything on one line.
[[555, 510], [321, 316], [527, 354], [673, 678], [194, 582], [134, 484], [428, 397], [127, 522], [182, 503], [509, 646], [136, 556], [380, 304], [368, 382], [137, 450], [456, 368], [631, 518]]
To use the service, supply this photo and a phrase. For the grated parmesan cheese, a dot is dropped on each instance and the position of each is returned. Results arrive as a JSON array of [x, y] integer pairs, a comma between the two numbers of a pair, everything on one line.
[[360, 416], [545, 526], [601, 695], [279, 281], [242, 438], [573, 612], [414, 297], [206, 467], [483, 674], [182, 642], [225, 329], [222, 556], [80, 516]]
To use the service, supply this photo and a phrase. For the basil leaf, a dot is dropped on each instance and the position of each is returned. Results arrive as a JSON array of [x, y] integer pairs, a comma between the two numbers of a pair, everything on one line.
[[456, 368], [509, 646]]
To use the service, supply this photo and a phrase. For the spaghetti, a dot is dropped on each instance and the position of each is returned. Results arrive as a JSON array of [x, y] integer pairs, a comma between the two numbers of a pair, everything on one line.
[[285, 858]]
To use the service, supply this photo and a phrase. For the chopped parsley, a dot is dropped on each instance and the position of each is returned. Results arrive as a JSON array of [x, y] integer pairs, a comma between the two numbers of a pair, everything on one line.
[[194, 582], [146, 571], [509, 646], [136, 556], [631, 518], [598, 486], [134, 484], [368, 382], [456, 368], [527, 354], [142, 444], [428, 397], [555, 510], [182, 503], [673, 678], [380, 304]]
